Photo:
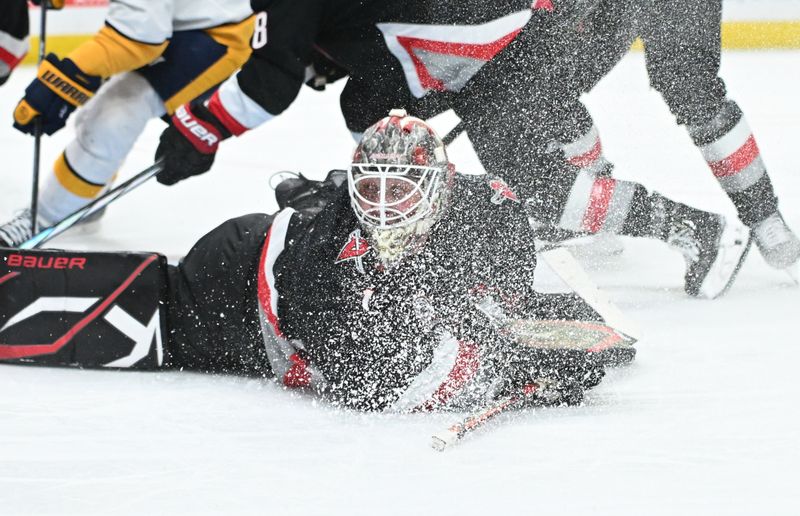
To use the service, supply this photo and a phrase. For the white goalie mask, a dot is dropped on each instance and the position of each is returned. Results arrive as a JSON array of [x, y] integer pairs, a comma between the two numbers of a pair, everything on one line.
[[399, 183]]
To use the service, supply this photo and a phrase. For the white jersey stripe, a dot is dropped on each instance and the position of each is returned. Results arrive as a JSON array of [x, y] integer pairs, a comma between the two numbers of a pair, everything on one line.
[[241, 107]]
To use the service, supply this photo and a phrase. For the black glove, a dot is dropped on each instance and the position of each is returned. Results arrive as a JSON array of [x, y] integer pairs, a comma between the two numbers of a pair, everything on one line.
[[566, 373], [190, 143], [303, 194]]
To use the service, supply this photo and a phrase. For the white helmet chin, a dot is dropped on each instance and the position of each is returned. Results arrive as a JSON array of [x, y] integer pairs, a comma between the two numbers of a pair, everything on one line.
[[398, 184]]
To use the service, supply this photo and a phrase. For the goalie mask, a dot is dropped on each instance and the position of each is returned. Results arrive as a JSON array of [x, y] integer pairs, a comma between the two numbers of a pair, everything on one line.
[[399, 183]]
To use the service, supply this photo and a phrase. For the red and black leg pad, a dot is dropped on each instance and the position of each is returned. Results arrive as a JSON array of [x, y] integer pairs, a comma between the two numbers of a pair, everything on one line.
[[94, 310]]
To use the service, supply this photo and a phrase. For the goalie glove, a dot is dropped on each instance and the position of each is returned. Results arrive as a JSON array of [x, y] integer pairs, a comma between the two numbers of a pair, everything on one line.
[[60, 87], [190, 143]]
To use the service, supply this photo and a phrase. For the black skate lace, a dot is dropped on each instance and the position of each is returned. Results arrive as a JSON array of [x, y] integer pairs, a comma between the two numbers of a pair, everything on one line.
[[17, 230]]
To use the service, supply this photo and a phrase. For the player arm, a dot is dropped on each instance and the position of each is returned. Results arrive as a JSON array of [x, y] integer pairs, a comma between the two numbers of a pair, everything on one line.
[[110, 52]]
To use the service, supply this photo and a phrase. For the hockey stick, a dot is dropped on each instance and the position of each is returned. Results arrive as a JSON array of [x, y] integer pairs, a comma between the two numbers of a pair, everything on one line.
[[93, 207], [442, 440], [37, 127], [566, 267]]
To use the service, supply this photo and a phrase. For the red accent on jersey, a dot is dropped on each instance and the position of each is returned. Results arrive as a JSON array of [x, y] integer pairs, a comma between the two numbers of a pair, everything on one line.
[[482, 51], [264, 294], [464, 369], [737, 161], [502, 191], [546, 5], [599, 201], [587, 158], [298, 374], [355, 247], [218, 109], [8, 351]]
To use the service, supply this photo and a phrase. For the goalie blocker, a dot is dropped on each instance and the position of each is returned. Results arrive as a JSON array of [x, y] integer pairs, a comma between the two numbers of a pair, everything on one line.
[[67, 308]]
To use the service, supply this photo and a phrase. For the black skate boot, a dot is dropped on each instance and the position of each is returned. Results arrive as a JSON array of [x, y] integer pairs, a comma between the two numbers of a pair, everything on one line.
[[713, 245], [779, 246]]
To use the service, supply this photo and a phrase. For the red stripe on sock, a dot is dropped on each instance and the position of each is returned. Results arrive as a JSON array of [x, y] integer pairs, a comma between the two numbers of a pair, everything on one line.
[[599, 201], [10, 59], [587, 158], [230, 123], [737, 161], [8, 351]]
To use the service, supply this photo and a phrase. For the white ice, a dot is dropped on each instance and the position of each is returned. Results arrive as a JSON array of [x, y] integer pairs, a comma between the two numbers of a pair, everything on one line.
[[704, 422]]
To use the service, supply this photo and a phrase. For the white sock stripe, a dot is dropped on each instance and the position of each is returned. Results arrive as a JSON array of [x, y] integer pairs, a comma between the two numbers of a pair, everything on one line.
[[619, 206], [14, 46], [242, 108], [577, 202], [728, 143], [745, 178]]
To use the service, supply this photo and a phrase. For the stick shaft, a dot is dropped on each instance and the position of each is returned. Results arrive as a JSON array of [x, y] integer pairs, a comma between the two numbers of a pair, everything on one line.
[[476, 420], [104, 200], [37, 127]]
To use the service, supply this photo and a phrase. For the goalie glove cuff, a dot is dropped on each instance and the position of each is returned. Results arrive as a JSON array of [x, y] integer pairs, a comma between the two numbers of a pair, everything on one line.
[[200, 128]]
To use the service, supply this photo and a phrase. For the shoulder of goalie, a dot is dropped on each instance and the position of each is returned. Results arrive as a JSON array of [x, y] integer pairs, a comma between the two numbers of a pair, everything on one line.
[[82, 309]]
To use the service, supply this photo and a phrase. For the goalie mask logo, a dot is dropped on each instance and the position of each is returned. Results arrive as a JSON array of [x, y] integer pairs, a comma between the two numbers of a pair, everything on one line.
[[502, 192], [355, 248]]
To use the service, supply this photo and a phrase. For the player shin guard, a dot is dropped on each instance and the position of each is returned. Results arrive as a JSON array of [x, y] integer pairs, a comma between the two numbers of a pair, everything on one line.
[[66, 308]]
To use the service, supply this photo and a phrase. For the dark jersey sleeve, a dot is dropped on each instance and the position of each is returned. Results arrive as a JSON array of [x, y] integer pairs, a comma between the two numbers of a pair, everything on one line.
[[275, 72], [13, 31]]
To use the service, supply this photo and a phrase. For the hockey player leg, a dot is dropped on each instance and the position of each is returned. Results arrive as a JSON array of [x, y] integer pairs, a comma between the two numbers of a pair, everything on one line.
[[66, 308], [728, 145], [714, 247], [106, 129]]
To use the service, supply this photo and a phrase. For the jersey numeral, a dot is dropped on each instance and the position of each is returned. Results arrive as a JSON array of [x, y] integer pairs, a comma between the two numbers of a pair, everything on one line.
[[260, 33]]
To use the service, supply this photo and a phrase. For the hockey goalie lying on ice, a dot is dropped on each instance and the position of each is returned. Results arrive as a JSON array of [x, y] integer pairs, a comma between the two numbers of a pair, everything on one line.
[[397, 285]]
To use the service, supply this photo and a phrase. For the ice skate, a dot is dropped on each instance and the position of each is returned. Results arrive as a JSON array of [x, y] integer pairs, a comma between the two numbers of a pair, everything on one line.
[[18, 230], [777, 243], [714, 248]]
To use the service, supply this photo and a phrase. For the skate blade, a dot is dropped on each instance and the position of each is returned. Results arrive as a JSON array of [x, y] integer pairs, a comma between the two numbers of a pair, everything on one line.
[[733, 248]]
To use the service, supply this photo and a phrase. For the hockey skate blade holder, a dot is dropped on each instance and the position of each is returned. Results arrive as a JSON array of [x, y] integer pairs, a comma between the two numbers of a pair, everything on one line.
[[81, 309]]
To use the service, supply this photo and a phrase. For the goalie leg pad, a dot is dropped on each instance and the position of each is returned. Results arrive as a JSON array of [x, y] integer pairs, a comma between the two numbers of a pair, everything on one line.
[[68, 308]]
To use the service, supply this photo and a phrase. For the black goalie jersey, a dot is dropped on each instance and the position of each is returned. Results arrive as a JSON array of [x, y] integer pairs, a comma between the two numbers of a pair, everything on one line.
[[304, 297]]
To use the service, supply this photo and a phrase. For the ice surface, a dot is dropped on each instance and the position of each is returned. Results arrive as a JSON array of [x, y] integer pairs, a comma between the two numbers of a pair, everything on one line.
[[705, 422]]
